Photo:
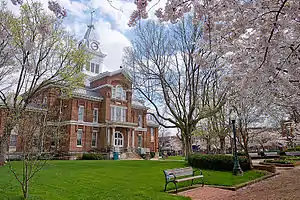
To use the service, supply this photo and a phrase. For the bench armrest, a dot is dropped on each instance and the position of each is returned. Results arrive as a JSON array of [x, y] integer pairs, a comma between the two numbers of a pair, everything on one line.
[[195, 170], [170, 176]]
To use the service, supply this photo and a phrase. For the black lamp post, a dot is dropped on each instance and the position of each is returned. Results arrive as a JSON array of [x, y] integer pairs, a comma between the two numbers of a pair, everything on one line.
[[236, 165]]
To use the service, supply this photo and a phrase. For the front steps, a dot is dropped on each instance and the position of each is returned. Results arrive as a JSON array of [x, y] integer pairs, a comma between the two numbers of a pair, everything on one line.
[[130, 156]]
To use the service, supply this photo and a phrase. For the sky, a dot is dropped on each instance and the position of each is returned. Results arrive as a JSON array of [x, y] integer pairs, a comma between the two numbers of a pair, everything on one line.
[[110, 22]]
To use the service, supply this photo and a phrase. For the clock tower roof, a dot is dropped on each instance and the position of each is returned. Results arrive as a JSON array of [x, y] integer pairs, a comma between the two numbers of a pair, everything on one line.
[[90, 40]]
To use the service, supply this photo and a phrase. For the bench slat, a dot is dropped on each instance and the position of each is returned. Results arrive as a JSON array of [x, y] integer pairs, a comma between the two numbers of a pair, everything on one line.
[[180, 171], [189, 178]]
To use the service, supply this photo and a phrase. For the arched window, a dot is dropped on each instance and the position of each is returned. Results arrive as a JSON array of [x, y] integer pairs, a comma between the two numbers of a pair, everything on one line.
[[118, 139], [119, 93]]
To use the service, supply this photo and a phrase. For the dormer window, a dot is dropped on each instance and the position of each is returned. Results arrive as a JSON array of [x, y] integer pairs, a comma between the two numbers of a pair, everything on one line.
[[118, 93], [95, 68]]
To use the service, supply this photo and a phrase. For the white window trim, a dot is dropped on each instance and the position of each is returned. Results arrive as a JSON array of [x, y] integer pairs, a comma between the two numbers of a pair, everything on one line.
[[45, 100], [118, 139], [95, 109], [140, 125], [113, 116], [94, 131], [152, 134], [123, 93], [77, 137], [92, 63], [82, 114], [97, 65], [15, 135]]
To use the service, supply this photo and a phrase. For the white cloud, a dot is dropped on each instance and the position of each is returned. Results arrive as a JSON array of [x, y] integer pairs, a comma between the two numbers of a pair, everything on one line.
[[110, 30], [112, 44]]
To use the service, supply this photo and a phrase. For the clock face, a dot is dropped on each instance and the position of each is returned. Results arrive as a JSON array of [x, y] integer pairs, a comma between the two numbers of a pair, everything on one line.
[[94, 46]]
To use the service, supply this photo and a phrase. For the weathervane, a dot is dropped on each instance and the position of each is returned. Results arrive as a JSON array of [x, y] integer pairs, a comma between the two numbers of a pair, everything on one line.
[[92, 17]]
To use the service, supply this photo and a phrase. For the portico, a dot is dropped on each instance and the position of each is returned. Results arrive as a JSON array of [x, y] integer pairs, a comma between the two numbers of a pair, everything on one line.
[[125, 138]]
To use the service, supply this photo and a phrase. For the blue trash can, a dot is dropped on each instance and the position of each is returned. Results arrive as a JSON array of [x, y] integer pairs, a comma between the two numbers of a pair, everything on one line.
[[116, 155]]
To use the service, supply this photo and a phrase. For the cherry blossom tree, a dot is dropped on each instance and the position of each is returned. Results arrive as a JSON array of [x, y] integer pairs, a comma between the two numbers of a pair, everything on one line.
[[35, 53], [261, 39]]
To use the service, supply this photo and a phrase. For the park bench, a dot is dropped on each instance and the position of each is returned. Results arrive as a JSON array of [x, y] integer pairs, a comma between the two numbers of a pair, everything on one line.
[[271, 154], [181, 174], [293, 153], [254, 155]]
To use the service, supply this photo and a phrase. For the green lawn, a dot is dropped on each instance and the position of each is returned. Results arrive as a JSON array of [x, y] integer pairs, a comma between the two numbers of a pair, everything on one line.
[[176, 157], [115, 180]]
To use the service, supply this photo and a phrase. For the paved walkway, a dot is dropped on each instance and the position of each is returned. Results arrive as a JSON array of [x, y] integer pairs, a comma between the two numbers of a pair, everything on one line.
[[285, 186]]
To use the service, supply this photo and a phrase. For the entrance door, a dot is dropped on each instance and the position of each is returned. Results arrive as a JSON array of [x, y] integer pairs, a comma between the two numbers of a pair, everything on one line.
[[119, 139]]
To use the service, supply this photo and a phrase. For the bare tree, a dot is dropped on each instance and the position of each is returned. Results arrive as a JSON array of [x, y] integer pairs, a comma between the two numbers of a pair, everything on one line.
[[168, 74], [35, 53], [30, 130]]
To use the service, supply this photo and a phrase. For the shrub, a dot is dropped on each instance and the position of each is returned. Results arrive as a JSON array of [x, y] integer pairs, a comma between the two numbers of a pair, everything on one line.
[[241, 154], [296, 158], [217, 162], [93, 156], [297, 148]]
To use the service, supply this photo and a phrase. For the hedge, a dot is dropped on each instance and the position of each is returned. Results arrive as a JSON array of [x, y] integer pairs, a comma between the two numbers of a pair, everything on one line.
[[217, 162], [297, 148], [93, 156]]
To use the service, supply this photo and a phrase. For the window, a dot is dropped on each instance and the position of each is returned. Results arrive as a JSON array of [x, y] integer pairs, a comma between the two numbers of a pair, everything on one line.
[[13, 140], [92, 67], [95, 115], [118, 139], [139, 141], [79, 137], [151, 117], [112, 113], [94, 138], [118, 113], [123, 119], [45, 100], [97, 69], [140, 120], [80, 113], [152, 134], [124, 95], [113, 92], [118, 93]]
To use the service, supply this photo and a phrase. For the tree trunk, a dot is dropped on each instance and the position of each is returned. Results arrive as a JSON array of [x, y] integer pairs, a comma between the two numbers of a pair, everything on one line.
[[3, 148], [187, 147], [222, 145], [249, 157], [208, 146]]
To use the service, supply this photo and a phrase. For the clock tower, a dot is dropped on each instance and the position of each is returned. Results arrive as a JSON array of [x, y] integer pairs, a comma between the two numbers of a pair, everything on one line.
[[91, 44]]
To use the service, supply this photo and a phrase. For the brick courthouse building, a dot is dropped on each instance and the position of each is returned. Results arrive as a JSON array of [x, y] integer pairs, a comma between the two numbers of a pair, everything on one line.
[[102, 116]]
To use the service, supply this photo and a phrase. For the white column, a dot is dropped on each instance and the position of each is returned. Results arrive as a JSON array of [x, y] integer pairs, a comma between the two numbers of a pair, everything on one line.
[[108, 136], [128, 140], [113, 137], [132, 138]]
